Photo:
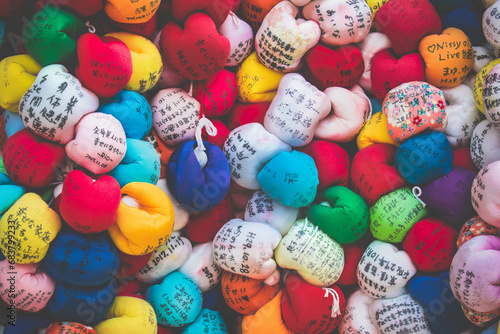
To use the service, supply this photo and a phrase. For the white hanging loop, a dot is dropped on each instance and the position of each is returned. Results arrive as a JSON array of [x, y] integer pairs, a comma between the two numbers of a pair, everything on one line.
[[200, 149], [417, 192], [190, 93], [235, 18], [335, 303], [90, 27], [301, 250]]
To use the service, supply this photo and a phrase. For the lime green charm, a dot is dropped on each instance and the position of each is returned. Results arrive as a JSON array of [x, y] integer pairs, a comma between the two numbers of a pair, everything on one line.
[[2, 168], [344, 215], [394, 214], [51, 35]]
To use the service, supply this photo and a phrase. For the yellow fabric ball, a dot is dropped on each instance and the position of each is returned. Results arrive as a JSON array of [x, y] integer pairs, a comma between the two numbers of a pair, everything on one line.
[[375, 132]]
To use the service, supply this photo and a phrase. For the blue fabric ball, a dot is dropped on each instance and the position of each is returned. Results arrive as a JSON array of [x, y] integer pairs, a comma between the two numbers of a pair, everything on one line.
[[2, 257], [469, 19], [424, 158], [444, 6], [26, 323], [176, 300], [86, 305], [13, 123], [376, 105], [197, 188], [9, 194], [209, 322], [141, 163], [291, 178], [132, 110], [441, 308], [81, 259], [493, 329], [2, 32]]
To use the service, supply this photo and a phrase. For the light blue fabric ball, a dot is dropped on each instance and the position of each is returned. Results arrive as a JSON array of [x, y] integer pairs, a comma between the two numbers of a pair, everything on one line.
[[176, 300], [13, 123], [132, 110], [140, 164], [291, 178], [207, 322]]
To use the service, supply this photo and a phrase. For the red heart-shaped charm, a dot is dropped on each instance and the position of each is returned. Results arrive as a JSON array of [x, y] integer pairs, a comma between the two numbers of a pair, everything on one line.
[[218, 94], [218, 10], [30, 160], [89, 206], [388, 72], [198, 52], [339, 67], [105, 66]]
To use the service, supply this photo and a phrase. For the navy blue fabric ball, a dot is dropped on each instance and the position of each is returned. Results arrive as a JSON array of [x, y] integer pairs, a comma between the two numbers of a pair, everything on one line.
[[469, 19], [197, 188], [81, 259]]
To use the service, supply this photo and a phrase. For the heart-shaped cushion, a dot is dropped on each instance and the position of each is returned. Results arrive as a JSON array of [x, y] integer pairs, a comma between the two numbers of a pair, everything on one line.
[[448, 57], [175, 115], [144, 220], [474, 273], [52, 34], [356, 317], [485, 193], [370, 46], [424, 158], [351, 110], [81, 259], [55, 103], [394, 215], [244, 113], [204, 226], [247, 149], [474, 227], [389, 71], [25, 286], [384, 271], [100, 143], [128, 314], [312, 253], [405, 23], [373, 173], [338, 67], [138, 11], [282, 41], [342, 22], [198, 187], [202, 268], [254, 11], [341, 213], [246, 295], [196, 50], [412, 108], [89, 206], [44, 159], [60, 327], [240, 36], [332, 161], [441, 308], [38, 224], [267, 318], [431, 245], [374, 132], [208, 320], [218, 10], [218, 94], [104, 65], [18, 74], [168, 304], [262, 208], [310, 309], [296, 110], [256, 82], [246, 248], [146, 61]]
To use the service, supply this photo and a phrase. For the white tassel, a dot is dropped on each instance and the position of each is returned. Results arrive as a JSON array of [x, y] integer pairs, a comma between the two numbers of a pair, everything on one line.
[[336, 301], [417, 192]]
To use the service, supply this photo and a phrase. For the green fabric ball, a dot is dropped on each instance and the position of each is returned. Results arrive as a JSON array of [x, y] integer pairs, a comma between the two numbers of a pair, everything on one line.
[[52, 34], [394, 214], [344, 215]]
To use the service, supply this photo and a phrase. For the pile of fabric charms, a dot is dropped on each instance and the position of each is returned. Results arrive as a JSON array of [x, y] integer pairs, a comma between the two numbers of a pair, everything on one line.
[[253, 166]]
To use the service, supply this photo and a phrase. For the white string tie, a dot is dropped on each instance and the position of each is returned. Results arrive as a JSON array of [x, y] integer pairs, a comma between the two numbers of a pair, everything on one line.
[[90, 27], [200, 149], [336, 301], [235, 18], [417, 192]]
